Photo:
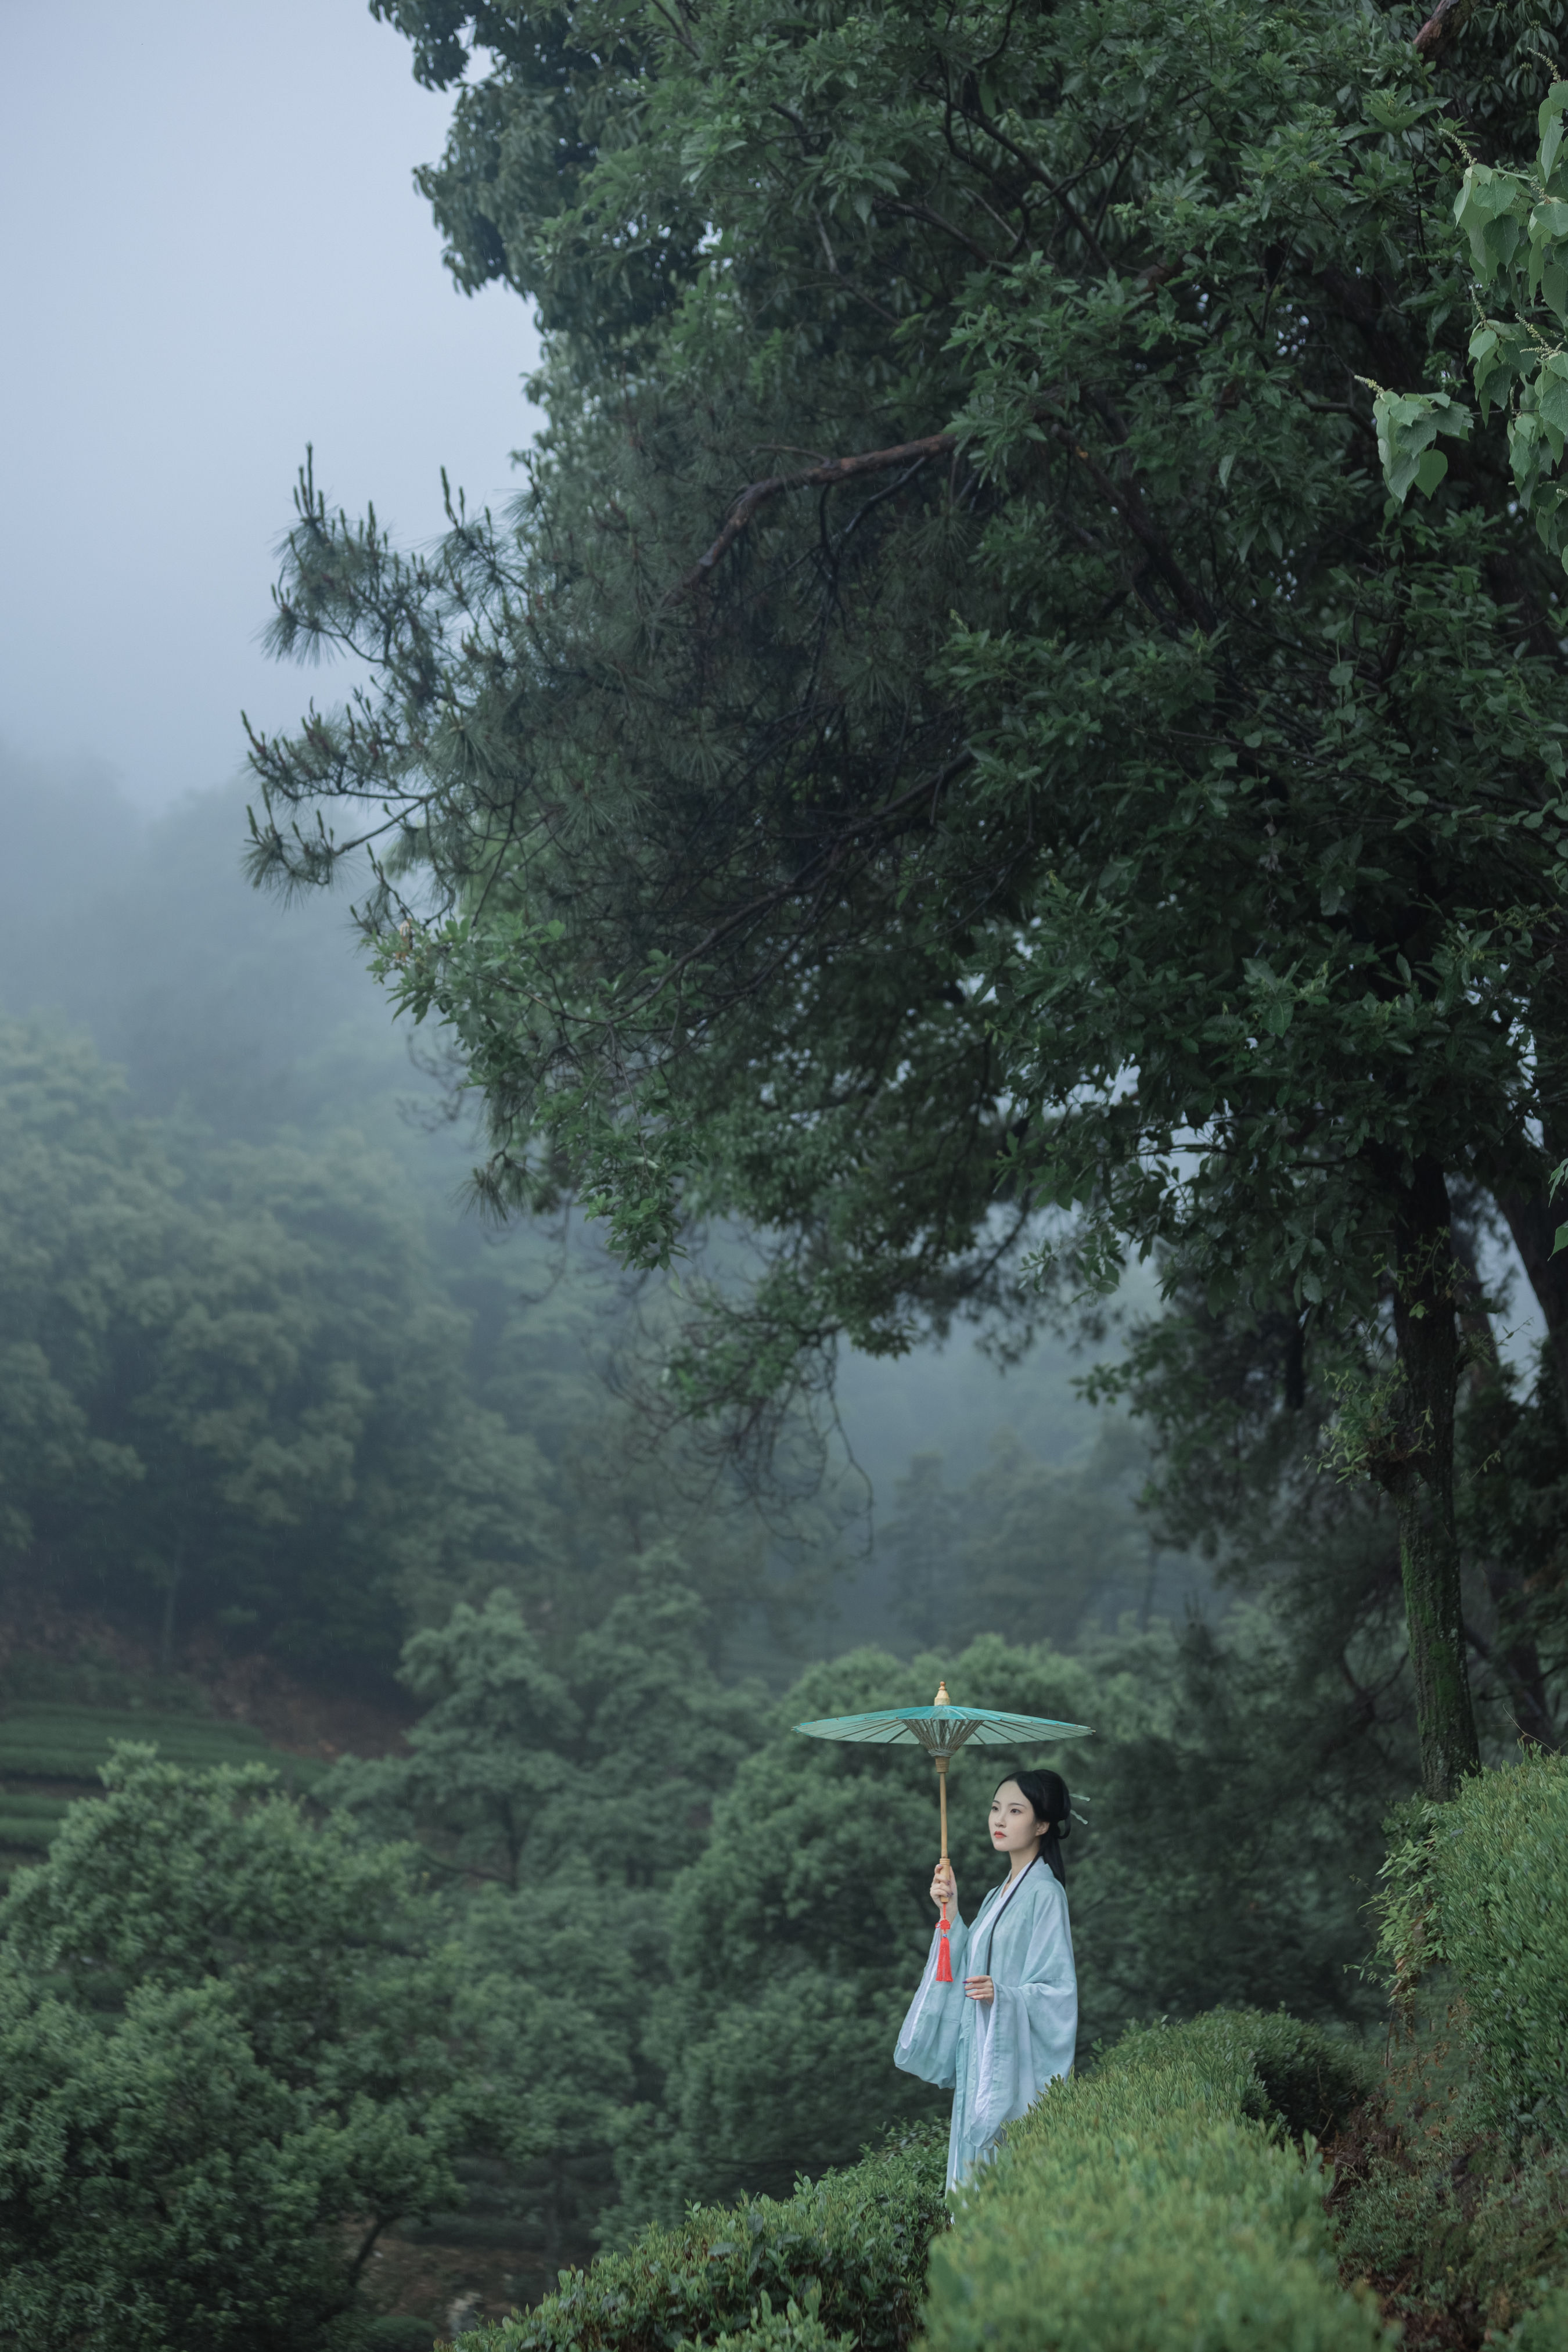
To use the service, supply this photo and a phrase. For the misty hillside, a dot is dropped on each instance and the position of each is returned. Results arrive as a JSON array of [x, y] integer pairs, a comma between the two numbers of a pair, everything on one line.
[[242, 1021]]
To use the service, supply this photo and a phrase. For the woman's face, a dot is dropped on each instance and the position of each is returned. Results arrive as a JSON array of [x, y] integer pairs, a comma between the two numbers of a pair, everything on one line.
[[1013, 1829]]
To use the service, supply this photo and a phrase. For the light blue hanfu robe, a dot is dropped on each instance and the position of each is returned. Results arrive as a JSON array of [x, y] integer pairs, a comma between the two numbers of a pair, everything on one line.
[[996, 2056]]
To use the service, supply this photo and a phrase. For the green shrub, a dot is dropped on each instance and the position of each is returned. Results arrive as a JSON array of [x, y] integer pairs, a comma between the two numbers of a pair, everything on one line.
[[1546, 2329], [1156, 2205], [1458, 2224], [790, 2330], [398, 2332], [843, 2257], [1483, 1883], [1462, 2210]]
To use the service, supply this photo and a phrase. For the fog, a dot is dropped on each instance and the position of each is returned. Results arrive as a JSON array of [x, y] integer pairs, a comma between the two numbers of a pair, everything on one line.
[[213, 255]]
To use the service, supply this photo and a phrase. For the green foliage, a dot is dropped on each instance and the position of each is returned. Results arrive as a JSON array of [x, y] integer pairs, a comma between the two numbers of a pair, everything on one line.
[[230, 1385], [555, 1985], [513, 1758], [234, 1394], [28, 1822], [1408, 425], [398, 2332], [1233, 1829], [1545, 2329], [650, 2034], [837, 270], [578, 1790], [790, 2330], [799, 1933], [1455, 2199], [45, 1739], [1515, 224], [1460, 2207], [1456, 2226], [658, 1973], [840, 2261], [1236, 1815], [1153, 2203], [1483, 1885], [1070, 702], [1513, 1516], [616, 2026], [225, 2066]]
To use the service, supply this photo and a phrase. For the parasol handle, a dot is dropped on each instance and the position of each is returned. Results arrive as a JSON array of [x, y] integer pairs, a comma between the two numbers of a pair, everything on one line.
[[943, 1959]]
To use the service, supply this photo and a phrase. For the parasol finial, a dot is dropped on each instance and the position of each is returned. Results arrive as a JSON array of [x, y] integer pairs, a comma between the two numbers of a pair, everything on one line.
[[941, 1698]]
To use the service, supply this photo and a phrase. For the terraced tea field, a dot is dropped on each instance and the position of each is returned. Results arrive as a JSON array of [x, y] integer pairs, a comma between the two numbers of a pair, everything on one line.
[[50, 1752]]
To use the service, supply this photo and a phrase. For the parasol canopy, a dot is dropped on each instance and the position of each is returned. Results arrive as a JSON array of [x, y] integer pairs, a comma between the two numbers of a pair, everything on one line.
[[942, 1729], [945, 1728]]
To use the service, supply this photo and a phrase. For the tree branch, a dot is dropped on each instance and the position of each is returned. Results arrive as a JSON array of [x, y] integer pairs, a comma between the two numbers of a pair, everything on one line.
[[809, 873], [1125, 497], [1446, 22], [756, 495]]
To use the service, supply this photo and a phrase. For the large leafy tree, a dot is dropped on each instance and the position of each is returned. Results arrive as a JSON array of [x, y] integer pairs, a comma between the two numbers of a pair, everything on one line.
[[230, 2060], [952, 729], [563, 1794], [514, 1752]]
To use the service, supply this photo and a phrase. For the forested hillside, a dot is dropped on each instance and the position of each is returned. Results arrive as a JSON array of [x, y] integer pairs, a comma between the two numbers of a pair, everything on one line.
[[219, 1067]]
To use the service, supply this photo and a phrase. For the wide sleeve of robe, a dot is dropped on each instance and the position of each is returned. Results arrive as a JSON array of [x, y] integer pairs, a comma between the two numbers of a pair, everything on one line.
[[928, 2039], [1030, 2033]]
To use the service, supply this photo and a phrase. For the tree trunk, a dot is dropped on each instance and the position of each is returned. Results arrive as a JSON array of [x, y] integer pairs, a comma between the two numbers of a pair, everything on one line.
[[1533, 1222], [1418, 1469], [1515, 1654]]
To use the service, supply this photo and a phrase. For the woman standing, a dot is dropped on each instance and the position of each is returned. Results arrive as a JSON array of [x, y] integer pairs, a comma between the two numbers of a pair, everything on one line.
[[999, 2036]]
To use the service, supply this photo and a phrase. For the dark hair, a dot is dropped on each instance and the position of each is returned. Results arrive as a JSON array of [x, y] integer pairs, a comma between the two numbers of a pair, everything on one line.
[[1047, 1793]]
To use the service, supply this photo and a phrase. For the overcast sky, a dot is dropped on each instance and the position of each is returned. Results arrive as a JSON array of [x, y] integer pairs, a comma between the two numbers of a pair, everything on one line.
[[213, 253]]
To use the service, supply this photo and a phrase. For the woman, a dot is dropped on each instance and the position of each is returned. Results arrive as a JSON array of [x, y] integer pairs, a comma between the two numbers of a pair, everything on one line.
[[998, 2037]]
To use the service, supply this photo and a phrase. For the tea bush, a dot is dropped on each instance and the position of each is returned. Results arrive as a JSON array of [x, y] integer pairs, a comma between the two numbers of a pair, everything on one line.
[[1154, 2203], [843, 2258], [1483, 1883], [59, 1740], [1546, 2329], [1461, 2232], [1160, 2204], [1461, 2209]]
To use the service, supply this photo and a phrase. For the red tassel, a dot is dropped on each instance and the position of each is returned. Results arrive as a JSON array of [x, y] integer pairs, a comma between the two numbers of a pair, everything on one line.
[[943, 1959]]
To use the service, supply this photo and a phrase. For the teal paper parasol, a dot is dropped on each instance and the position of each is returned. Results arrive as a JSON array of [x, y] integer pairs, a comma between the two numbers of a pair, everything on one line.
[[942, 1729]]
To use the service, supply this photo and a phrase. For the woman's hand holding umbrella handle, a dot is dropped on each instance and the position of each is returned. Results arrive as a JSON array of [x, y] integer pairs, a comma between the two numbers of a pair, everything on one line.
[[944, 1888]]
